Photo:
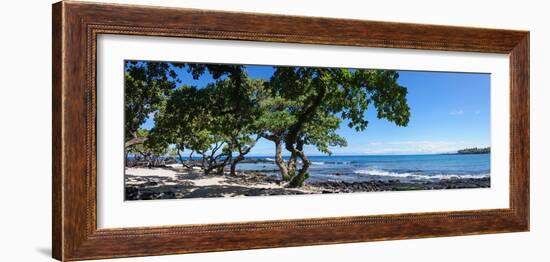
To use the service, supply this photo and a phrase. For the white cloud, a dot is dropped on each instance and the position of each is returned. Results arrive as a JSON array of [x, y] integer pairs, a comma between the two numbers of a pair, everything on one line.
[[456, 112], [416, 147]]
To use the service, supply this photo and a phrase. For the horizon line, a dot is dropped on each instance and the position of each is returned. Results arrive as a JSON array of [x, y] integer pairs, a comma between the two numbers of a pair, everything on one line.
[[412, 154]]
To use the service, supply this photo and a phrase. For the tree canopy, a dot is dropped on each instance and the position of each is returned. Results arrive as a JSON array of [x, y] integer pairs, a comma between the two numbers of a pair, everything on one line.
[[222, 121], [146, 84], [320, 98]]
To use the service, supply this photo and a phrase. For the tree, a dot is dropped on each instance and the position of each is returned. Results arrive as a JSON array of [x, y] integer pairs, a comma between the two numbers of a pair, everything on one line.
[[277, 114], [319, 98], [149, 84], [202, 120], [474, 150], [229, 105], [274, 117], [296, 107], [235, 113], [146, 85], [177, 120], [149, 152], [185, 122]]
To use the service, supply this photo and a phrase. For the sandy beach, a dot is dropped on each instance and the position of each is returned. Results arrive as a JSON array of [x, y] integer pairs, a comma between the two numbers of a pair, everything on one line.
[[175, 182]]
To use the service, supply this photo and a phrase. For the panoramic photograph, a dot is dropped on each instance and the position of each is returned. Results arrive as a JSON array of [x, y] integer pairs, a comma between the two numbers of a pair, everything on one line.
[[198, 130]]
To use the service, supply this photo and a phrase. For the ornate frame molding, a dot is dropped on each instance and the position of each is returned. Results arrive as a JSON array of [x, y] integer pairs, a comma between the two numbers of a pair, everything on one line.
[[76, 26]]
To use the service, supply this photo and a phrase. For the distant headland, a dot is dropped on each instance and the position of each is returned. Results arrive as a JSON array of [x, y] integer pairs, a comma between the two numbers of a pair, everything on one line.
[[474, 150]]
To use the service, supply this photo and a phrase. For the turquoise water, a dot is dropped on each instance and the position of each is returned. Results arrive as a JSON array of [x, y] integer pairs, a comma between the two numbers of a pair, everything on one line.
[[388, 167]]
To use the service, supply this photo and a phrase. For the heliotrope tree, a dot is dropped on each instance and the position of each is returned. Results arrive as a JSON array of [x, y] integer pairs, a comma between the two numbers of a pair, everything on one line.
[[146, 85], [320, 98], [202, 121], [295, 108], [149, 151]]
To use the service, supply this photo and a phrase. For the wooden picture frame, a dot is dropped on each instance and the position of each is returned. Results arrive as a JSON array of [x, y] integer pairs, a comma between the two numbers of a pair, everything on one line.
[[76, 26]]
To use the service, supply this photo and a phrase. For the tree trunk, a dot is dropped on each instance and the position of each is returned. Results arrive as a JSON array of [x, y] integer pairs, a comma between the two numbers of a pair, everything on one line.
[[283, 169], [189, 162], [298, 179], [242, 153], [233, 171], [280, 161], [135, 141], [221, 167], [126, 160], [292, 164], [203, 163], [180, 157]]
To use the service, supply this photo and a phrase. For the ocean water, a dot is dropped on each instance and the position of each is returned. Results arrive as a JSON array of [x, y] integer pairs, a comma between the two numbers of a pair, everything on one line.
[[409, 168]]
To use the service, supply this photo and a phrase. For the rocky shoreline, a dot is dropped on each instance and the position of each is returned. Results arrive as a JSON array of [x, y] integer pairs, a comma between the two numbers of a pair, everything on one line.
[[397, 185], [170, 183]]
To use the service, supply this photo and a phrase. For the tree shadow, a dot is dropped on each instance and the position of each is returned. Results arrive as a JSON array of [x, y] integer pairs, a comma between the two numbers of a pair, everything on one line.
[[190, 175], [231, 191], [191, 191]]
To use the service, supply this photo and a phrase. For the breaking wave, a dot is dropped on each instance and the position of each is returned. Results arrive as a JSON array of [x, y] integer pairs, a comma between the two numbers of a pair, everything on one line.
[[378, 172]]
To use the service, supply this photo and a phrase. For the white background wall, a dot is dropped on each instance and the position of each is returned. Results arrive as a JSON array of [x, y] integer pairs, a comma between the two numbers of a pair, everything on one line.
[[25, 130]]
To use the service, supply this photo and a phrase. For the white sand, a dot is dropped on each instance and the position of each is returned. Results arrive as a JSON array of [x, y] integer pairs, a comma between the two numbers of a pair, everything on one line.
[[180, 177], [160, 172], [176, 177], [208, 181]]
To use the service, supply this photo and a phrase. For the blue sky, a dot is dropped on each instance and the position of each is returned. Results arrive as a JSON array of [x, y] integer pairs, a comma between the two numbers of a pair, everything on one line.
[[449, 111]]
